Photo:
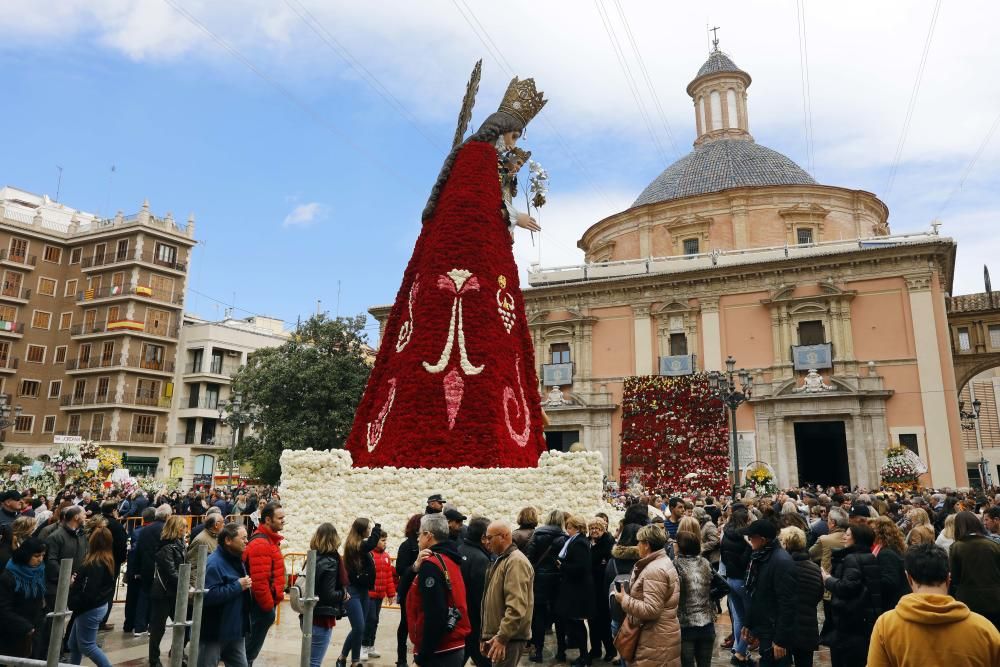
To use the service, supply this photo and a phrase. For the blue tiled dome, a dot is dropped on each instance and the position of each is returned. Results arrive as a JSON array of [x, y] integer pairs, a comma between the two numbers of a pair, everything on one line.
[[720, 165]]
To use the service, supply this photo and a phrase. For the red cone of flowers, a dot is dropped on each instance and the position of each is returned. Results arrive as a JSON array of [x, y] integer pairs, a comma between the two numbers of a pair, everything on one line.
[[454, 382]]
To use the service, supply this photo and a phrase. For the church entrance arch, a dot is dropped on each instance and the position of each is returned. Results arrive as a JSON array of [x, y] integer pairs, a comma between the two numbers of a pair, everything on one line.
[[821, 453]]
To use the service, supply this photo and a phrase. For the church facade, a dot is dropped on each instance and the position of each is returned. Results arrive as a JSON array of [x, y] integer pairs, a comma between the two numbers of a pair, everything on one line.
[[734, 250]]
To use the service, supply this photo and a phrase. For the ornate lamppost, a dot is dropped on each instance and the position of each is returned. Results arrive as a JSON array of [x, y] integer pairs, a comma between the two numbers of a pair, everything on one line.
[[231, 412], [724, 385], [969, 421]]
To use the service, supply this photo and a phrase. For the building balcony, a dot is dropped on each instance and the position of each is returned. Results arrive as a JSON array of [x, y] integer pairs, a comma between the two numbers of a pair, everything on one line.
[[15, 294], [203, 403], [157, 438], [25, 262], [225, 370], [201, 441], [108, 259], [123, 327], [94, 399], [87, 433], [8, 365], [15, 329], [122, 292], [93, 364]]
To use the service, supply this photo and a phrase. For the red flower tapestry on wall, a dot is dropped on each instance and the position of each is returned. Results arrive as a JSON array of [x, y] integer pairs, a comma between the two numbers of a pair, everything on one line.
[[674, 435], [454, 383]]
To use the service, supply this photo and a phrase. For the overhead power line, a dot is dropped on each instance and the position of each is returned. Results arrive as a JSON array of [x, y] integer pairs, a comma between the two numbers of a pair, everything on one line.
[[345, 54], [645, 75], [800, 12], [968, 169], [290, 96], [494, 51], [894, 167], [629, 79]]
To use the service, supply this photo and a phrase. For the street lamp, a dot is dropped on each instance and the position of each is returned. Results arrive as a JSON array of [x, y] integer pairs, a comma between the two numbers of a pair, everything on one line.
[[236, 419], [5, 412], [969, 418], [724, 386]]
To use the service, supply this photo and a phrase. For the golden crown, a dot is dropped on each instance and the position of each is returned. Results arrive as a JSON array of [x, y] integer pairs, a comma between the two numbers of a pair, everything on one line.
[[520, 154], [522, 100]]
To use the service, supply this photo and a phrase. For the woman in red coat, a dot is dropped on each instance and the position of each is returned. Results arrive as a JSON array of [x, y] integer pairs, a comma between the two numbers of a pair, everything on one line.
[[454, 382]]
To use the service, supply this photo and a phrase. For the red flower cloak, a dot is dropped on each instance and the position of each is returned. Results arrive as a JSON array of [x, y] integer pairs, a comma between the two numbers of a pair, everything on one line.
[[454, 383]]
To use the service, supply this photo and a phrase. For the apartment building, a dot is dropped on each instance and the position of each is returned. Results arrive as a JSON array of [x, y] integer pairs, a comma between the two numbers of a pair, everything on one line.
[[210, 353], [90, 312]]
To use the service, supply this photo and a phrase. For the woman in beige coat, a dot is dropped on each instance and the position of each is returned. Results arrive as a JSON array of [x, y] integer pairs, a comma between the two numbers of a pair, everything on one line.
[[652, 599]]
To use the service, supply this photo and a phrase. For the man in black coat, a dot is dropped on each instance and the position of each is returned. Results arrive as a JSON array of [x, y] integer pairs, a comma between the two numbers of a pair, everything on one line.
[[475, 563], [771, 593], [145, 564], [119, 548]]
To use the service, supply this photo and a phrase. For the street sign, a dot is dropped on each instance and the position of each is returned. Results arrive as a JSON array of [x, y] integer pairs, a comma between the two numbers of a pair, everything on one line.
[[67, 440]]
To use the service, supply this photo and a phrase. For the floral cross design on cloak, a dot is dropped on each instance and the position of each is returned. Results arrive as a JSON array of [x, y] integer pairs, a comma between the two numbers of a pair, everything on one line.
[[459, 283]]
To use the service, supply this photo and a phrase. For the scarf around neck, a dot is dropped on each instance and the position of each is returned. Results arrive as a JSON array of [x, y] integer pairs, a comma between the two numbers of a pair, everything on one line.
[[28, 581], [757, 560]]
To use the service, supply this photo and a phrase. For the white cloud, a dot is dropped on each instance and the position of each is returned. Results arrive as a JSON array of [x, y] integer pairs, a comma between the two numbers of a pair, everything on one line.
[[305, 215]]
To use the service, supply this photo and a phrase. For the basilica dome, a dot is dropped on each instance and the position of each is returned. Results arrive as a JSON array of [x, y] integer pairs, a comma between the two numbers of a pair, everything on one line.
[[720, 165]]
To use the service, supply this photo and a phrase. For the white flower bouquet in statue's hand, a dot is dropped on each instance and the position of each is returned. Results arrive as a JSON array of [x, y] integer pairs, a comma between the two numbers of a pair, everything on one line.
[[538, 184]]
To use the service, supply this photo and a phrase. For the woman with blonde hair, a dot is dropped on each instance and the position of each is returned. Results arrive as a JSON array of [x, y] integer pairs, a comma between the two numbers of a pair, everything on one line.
[[809, 593], [575, 603], [543, 547], [947, 536], [651, 602], [88, 598], [331, 589], [20, 530], [917, 516], [170, 555]]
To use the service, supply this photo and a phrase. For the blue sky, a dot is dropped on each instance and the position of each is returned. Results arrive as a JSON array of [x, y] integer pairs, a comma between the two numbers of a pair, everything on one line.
[[322, 181]]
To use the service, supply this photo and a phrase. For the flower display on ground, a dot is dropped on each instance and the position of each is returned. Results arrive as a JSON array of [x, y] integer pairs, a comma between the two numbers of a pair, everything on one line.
[[318, 486], [901, 468], [674, 435], [759, 478]]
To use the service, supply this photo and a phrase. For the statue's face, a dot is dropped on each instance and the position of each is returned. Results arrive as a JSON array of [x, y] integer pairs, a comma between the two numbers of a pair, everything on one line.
[[510, 138]]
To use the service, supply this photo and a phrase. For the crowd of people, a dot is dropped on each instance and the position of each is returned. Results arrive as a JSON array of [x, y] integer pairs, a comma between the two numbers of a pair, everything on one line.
[[880, 578]]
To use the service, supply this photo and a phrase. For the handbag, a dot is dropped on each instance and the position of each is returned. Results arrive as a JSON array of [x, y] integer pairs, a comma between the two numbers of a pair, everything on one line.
[[719, 587], [627, 639]]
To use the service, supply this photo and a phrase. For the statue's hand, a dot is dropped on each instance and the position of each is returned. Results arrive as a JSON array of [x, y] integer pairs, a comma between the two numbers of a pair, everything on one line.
[[525, 221]]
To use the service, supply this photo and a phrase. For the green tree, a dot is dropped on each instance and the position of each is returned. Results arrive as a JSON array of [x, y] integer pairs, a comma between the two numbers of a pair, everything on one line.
[[303, 393]]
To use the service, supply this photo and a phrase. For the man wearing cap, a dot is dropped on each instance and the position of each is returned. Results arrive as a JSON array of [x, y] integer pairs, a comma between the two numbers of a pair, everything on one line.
[[859, 514], [456, 529], [10, 507], [771, 593], [435, 504]]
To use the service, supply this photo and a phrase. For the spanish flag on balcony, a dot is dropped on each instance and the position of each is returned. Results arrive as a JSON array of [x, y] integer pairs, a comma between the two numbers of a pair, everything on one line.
[[143, 290], [88, 294], [126, 325]]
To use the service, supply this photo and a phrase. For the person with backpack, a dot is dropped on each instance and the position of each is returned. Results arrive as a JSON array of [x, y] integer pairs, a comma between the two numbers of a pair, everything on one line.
[[855, 586], [266, 567], [361, 541]]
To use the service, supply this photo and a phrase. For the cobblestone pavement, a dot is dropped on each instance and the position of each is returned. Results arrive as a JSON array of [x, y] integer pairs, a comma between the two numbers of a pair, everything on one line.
[[284, 640]]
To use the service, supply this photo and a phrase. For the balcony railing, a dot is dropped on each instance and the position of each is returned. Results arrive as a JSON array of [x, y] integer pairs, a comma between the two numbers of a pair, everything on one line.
[[136, 436], [212, 368], [149, 257], [95, 362], [8, 364], [149, 365], [16, 292], [117, 327], [203, 403], [11, 327], [94, 398], [26, 260], [129, 291]]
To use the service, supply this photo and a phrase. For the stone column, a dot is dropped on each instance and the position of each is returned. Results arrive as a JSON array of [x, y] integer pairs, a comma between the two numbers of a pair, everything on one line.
[[741, 225], [643, 339], [930, 374], [711, 334]]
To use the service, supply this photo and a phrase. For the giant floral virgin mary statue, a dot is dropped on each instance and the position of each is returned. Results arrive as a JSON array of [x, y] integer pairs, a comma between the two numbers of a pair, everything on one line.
[[454, 383]]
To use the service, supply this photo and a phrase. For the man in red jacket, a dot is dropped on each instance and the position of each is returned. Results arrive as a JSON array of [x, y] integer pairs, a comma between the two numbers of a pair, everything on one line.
[[437, 617], [266, 568]]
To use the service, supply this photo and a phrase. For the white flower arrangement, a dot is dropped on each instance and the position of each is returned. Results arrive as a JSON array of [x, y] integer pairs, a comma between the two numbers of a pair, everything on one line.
[[319, 486]]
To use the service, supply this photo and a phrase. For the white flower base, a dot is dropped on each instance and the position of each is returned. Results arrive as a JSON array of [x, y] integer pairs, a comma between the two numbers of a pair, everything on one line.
[[319, 486]]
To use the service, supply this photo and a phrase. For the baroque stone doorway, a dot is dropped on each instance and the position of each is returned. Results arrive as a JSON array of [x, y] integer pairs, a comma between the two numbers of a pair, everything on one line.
[[821, 453]]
